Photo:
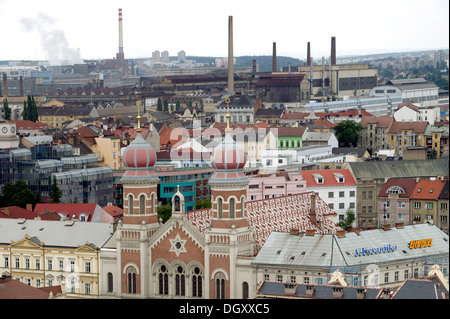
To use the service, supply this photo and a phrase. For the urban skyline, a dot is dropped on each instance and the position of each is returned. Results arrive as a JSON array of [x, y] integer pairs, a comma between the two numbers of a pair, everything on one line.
[[90, 30]]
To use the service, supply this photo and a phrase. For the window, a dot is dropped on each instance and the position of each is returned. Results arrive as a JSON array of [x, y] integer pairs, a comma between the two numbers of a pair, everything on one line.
[[220, 286], [417, 205], [110, 282], [180, 282], [197, 288], [386, 277], [163, 280], [142, 204], [341, 205], [293, 279], [220, 207], [130, 204], [331, 205], [242, 206], [330, 194], [131, 280], [6, 262], [341, 194], [352, 193], [72, 265], [27, 263], [306, 280], [61, 264], [352, 205], [244, 290], [266, 277], [38, 264], [87, 288], [428, 205], [87, 266], [401, 204], [280, 278]]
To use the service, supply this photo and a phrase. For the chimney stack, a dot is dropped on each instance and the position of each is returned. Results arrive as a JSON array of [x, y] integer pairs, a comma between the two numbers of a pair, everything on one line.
[[274, 58], [5, 86], [312, 210], [308, 55], [254, 67], [120, 32], [230, 56], [333, 50]]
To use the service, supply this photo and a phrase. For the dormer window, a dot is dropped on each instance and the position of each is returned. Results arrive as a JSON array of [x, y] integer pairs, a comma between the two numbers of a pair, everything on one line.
[[319, 178], [339, 177]]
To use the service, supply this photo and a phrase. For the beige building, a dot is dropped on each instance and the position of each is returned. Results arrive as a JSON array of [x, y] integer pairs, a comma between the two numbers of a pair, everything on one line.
[[108, 151], [43, 253]]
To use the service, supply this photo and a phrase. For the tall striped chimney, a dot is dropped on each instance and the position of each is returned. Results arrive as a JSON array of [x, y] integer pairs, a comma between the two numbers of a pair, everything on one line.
[[333, 50], [230, 56], [274, 57], [120, 32]]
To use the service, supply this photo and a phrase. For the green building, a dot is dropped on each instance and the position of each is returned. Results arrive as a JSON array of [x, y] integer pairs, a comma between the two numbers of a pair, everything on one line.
[[290, 137]]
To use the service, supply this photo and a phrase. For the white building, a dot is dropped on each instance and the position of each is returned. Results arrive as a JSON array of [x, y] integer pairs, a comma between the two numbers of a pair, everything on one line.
[[336, 187], [413, 112]]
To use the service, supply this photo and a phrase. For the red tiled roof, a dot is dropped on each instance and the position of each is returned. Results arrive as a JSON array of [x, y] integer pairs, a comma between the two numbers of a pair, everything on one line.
[[14, 289], [113, 210], [349, 113], [329, 178], [290, 131], [428, 189], [276, 214], [380, 121], [409, 104], [417, 127], [324, 123], [294, 115], [407, 184], [19, 212], [67, 209], [28, 125]]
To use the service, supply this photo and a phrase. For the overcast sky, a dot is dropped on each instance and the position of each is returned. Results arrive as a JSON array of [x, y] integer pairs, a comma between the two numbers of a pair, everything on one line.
[[52, 29]]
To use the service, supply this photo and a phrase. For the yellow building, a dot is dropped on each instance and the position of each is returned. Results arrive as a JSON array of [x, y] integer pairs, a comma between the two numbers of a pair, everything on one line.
[[404, 134], [55, 116], [108, 150], [43, 253]]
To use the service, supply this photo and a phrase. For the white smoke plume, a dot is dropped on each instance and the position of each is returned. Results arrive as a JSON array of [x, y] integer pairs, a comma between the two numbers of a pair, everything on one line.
[[53, 41]]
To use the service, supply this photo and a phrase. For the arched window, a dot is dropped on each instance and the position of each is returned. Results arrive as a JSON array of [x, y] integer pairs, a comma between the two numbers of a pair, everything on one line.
[[130, 204], [220, 207], [395, 190], [232, 207], [243, 206], [131, 280], [110, 282], [244, 290], [153, 203], [220, 286], [180, 283], [163, 281], [197, 288], [142, 204]]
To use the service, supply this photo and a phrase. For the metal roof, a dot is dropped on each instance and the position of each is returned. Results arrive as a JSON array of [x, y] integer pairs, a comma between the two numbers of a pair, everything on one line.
[[327, 250], [55, 233]]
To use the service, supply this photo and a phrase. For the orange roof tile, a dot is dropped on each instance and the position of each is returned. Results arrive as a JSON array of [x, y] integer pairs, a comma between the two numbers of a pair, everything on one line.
[[329, 178], [428, 189]]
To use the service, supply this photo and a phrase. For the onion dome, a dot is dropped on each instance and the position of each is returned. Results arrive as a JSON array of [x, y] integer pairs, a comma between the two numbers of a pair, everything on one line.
[[228, 155], [139, 154]]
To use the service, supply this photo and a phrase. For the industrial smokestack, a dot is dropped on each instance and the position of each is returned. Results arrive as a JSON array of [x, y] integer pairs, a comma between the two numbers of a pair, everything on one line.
[[308, 55], [5, 86], [333, 50], [254, 67], [274, 58], [230, 56], [312, 210], [120, 32]]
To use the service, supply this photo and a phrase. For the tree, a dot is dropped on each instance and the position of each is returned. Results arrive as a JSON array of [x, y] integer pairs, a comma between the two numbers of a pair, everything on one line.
[[348, 220], [30, 109], [18, 194], [178, 105], [159, 105], [6, 110], [201, 105], [166, 106], [165, 212], [347, 133], [55, 192], [201, 204]]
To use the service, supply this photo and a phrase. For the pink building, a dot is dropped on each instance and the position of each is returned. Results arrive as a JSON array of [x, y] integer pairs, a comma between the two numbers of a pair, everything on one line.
[[393, 201], [273, 185]]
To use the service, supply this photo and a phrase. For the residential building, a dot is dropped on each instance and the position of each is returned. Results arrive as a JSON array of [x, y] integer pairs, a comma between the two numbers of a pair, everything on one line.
[[56, 116], [14, 289], [437, 142], [352, 154], [404, 134], [240, 108], [320, 138], [108, 150], [290, 137], [371, 176], [264, 186], [44, 253], [394, 203], [75, 211], [424, 201], [382, 258], [375, 133], [336, 187], [443, 209]]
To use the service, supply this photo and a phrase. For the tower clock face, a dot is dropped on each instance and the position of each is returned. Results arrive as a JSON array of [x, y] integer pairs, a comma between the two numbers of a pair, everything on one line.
[[13, 129], [4, 129]]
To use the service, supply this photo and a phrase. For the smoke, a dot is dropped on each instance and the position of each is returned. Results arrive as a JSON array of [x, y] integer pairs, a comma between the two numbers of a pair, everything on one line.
[[53, 41]]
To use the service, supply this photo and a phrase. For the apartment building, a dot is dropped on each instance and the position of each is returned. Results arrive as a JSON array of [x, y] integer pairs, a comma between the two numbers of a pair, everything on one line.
[[44, 253], [374, 135], [264, 186], [424, 201], [404, 134]]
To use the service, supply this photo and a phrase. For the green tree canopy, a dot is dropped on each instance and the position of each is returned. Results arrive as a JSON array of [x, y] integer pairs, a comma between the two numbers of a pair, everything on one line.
[[6, 110], [201, 204], [348, 220], [348, 133], [159, 105], [164, 212], [55, 192], [17, 194]]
